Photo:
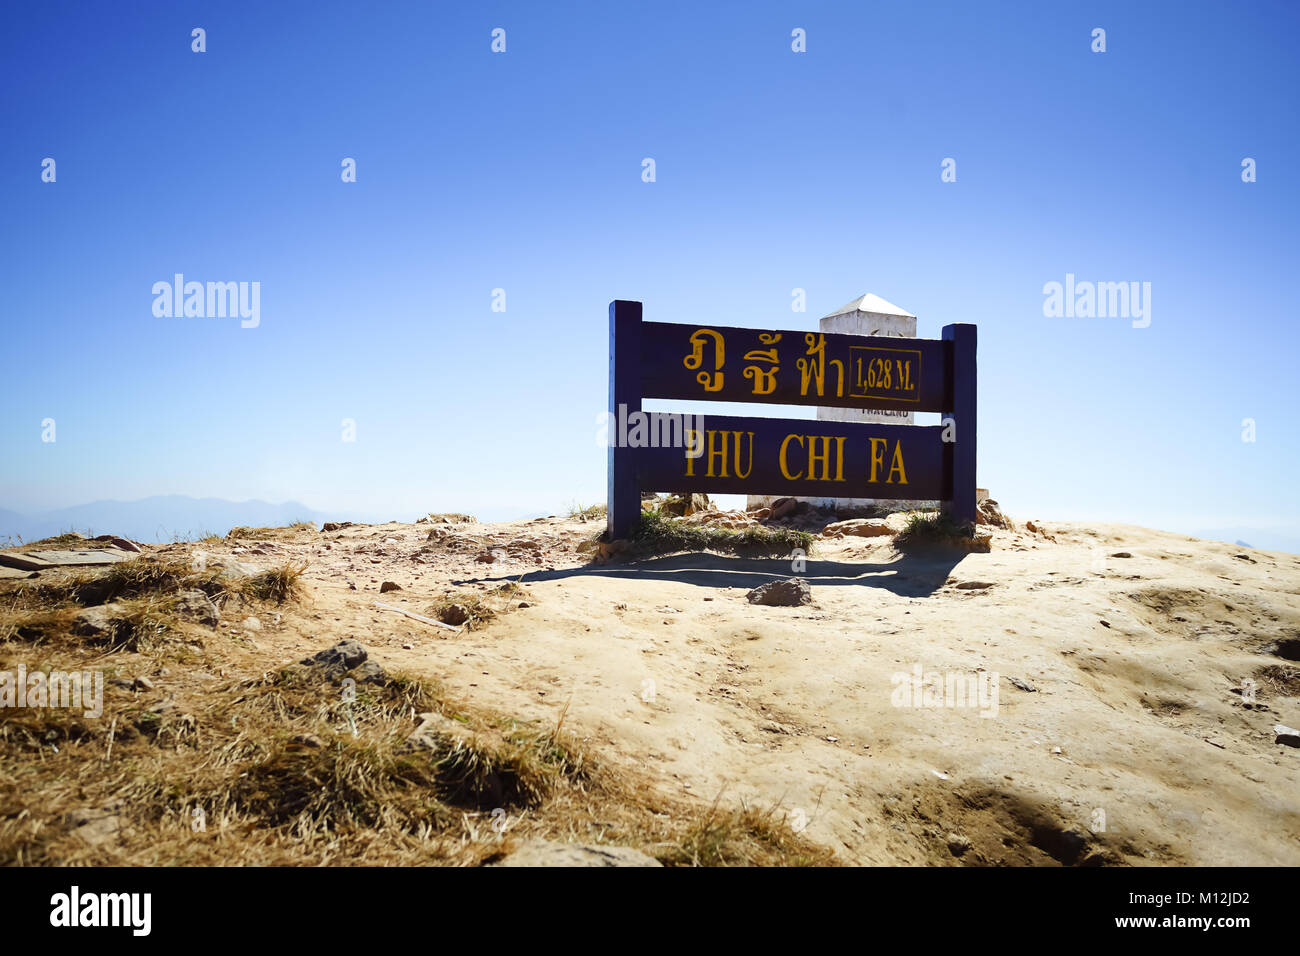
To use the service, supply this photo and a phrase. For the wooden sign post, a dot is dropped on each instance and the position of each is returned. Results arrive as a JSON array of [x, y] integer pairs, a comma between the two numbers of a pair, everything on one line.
[[769, 456]]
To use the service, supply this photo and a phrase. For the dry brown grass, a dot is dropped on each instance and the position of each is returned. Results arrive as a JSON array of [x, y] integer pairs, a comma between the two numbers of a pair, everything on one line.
[[69, 539], [283, 770], [277, 585], [42, 610], [743, 836], [1280, 680], [279, 775], [481, 608], [271, 534], [274, 767], [89, 586], [142, 592]]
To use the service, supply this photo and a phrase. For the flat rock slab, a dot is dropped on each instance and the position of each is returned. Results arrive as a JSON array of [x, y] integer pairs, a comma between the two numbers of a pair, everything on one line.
[[545, 853], [861, 527], [40, 560]]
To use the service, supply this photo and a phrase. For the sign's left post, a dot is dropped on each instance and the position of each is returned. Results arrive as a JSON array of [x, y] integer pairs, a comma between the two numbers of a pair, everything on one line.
[[623, 500]]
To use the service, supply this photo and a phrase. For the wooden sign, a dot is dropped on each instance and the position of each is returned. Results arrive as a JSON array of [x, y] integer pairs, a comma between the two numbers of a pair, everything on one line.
[[669, 451]]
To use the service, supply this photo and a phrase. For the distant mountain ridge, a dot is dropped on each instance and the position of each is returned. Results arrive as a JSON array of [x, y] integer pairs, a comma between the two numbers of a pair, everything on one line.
[[1264, 539], [163, 518], [157, 519]]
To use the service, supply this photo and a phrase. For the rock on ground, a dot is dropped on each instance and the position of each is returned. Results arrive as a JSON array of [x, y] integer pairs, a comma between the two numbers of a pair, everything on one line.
[[683, 505], [1287, 735], [96, 825], [788, 593], [862, 527], [197, 606], [342, 657], [101, 621]]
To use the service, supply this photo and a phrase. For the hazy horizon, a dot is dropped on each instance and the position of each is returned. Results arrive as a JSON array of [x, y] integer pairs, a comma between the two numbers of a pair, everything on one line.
[[99, 517]]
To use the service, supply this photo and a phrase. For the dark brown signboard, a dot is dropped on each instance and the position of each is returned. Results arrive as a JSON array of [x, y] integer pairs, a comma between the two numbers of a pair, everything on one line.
[[664, 451]]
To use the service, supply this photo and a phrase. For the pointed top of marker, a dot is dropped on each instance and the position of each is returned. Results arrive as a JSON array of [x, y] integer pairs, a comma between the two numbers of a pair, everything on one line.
[[870, 303]]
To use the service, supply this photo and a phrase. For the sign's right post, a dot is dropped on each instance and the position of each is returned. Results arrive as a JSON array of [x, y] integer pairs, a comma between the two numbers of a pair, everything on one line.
[[960, 451]]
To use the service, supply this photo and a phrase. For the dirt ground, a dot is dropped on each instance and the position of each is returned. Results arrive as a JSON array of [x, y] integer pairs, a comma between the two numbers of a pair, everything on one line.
[[1124, 730]]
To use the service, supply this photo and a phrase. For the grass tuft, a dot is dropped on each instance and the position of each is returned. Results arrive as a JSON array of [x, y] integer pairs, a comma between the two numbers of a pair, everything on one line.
[[931, 529], [474, 609], [661, 534], [590, 513], [744, 836], [269, 534], [278, 584]]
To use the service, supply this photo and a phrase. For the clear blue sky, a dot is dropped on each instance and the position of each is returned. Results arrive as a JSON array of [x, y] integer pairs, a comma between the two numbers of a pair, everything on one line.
[[522, 170]]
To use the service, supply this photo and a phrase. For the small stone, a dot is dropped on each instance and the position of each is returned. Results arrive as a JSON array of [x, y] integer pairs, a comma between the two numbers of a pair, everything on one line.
[[251, 623], [988, 512], [490, 557], [611, 548], [1022, 684], [791, 592], [122, 544], [1121, 554], [99, 622], [1286, 735], [370, 673], [342, 657], [142, 683], [96, 825], [335, 525], [974, 585], [389, 586], [698, 502], [454, 614], [408, 647], [782, 507], [232, 570], [859, 527], [682, 505], [958, 844], [197, 606], [438, 734]]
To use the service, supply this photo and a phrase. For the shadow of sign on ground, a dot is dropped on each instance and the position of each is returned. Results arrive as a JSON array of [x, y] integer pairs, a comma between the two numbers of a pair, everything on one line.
[[909, 575]]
